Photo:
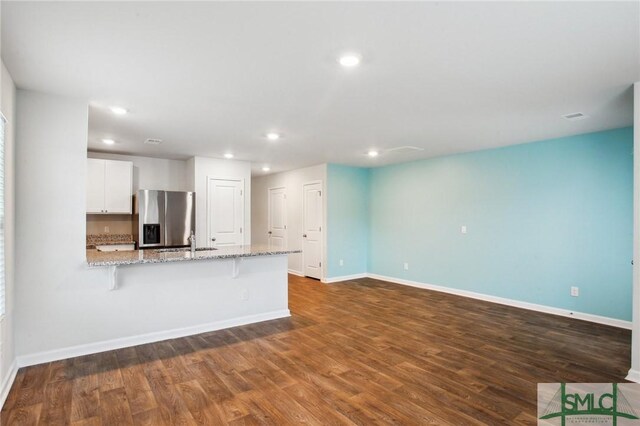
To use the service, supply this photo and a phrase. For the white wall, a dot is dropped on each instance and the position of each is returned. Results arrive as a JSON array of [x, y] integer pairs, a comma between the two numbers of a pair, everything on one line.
[[293, 182], [205, 168], [152, 173], [52, 280], [191, 174], [7, 105], [63, 308]]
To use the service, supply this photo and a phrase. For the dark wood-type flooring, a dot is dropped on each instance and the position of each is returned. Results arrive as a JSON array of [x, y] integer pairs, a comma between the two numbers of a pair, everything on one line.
[[361, 352]]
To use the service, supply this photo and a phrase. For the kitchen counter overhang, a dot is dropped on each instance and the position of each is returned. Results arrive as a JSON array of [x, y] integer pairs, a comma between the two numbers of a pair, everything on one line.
[[97, 258]]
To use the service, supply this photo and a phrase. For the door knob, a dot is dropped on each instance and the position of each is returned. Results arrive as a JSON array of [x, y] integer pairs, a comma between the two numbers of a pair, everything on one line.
[[269, 232], [213, 239], [304, 235]]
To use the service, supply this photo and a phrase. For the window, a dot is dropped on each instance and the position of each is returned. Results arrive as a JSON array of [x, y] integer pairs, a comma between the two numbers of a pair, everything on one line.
[[3, 122]]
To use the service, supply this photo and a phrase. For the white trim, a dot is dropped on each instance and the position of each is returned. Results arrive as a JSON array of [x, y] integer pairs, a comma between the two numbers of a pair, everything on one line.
[[8, 382], [344, 278], [510, 302], [633, 376], [294, 272], [109, 345]]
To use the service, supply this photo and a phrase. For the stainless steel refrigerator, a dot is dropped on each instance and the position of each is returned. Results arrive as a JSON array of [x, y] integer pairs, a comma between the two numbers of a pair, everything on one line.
[[164, 218]]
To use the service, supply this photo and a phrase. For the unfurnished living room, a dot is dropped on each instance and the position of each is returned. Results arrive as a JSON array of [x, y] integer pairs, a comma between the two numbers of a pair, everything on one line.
[[329, 213]]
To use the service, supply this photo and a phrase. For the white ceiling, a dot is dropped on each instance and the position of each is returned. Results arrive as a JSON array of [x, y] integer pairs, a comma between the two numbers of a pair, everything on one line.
[[208, 78]]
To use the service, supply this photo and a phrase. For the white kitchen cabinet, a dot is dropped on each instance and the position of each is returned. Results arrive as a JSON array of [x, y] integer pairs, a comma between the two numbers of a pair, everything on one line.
[[109, 186], [95, 186]]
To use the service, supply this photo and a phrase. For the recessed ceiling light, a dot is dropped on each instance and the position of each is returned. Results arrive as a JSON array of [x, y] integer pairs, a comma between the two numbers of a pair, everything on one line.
[[108, 141], [349, 60], [118, 110], [273, 136], [228, 155], [266, 169], [373, 153]]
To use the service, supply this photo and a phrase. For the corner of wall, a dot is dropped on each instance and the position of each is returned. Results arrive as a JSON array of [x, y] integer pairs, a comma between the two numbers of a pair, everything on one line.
[[634, 373], [8, 367]]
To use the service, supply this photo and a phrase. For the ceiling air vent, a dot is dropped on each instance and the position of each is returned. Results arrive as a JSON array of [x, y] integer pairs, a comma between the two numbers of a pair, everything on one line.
[[574, 116], [405, 148], [152, 141]]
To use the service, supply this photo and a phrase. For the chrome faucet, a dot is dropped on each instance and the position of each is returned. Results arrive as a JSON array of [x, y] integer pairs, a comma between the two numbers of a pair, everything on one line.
[[192, 241]]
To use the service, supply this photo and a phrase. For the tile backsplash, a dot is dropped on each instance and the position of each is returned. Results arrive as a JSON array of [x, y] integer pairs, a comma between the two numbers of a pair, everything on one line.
[[109, 224], [94, 240]]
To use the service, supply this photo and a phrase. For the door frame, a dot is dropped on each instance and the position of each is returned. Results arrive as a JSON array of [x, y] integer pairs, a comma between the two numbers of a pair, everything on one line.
[[208, 219], [286, 215], [322, 231]]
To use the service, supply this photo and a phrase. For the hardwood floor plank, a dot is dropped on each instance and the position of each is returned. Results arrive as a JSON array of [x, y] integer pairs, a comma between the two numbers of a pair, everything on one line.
[[24, 416], [172, 408], [57, 402], [109, 374], [85, 392], [149, 418], [91, 421], [203, 411], [138, 391], [114, 407]]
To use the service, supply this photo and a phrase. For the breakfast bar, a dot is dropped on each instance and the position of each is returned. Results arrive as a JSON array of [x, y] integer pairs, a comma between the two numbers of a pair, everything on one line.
[[176, 292]]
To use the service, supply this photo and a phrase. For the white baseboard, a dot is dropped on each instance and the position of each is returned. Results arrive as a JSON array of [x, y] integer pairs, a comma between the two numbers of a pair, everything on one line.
[[8, 382], [292, 272], [108, 345], [633, 376], [344, 278], [510, 302]]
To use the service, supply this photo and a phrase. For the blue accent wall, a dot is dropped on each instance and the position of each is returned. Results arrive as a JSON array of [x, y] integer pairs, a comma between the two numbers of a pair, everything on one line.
[[541, 217], [347, 220]]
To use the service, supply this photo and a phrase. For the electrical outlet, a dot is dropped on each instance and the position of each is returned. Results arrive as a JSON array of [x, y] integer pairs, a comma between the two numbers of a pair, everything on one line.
[[463, 229], [406, 266], [244, 294], [341, 262], [106, 229], [575, 291]]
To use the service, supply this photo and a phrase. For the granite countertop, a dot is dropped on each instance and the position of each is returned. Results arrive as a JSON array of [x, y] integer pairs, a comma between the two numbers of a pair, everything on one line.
[[134, 257], [94, 240]]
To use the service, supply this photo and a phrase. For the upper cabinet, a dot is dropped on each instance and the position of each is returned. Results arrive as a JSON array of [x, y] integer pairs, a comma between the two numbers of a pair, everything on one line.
[[109, 186]]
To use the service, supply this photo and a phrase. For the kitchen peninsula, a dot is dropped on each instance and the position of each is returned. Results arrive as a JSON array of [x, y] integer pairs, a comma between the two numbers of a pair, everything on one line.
[[174, 292]]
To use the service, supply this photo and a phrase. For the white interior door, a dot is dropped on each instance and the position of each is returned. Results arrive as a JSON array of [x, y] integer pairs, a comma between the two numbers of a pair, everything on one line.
[[277, 226], [312, 230], [225, 212]]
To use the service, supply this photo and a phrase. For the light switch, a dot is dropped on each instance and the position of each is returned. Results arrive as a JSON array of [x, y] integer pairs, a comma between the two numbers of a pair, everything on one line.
[[463, 229]]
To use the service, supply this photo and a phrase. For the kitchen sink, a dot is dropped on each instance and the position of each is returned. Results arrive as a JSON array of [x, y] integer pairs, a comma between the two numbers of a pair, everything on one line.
[[116, 247], [181, 249]]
